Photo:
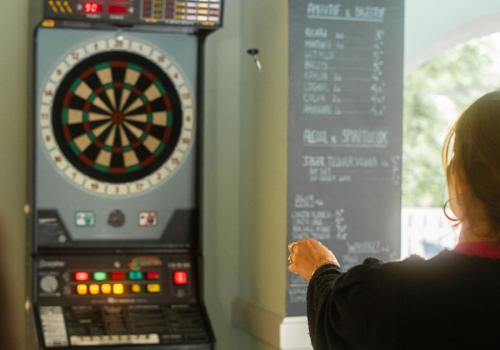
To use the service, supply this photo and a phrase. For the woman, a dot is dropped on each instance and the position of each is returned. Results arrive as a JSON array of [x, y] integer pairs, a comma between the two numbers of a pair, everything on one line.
[[451, 301]]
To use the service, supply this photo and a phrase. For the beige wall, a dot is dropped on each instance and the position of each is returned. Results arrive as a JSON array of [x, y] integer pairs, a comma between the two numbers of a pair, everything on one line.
[[14, 73], [222, 181], [263, 152]]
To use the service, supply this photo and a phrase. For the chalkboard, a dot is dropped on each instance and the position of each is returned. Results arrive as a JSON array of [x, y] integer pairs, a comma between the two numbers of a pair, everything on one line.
[[345, 130]]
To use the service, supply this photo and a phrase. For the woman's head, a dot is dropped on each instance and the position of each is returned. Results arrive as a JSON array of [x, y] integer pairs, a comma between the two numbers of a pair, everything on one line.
[[471, 156]]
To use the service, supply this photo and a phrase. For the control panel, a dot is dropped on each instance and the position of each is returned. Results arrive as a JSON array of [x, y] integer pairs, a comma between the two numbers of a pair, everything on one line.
[[119, 300], [202, 14]]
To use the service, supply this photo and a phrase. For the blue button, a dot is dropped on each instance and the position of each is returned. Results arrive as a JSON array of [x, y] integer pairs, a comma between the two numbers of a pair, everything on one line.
[[135, 275]]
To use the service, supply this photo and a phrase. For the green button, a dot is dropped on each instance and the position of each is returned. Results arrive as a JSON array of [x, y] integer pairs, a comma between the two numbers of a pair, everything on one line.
[[135, 275], [100, 276]]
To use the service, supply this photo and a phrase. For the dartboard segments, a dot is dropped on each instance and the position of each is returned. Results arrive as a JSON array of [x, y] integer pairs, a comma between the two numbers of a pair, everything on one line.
[[118, 119]]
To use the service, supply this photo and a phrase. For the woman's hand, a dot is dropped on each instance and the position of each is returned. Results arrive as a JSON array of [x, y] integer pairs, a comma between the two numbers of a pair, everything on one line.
[[307, 255]]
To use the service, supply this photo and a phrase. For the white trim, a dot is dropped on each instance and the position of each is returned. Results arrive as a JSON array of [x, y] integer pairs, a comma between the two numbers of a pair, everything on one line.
[[294, 334]]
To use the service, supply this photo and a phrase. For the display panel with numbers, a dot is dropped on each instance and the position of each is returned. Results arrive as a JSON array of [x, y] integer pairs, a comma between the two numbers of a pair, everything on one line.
[[196, 14]]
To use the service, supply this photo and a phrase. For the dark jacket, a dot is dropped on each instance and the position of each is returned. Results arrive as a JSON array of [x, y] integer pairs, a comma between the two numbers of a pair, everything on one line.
[[449, 302]]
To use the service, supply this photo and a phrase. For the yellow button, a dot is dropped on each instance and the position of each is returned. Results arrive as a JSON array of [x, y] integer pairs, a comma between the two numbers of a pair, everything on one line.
[[136, 288], [154, 288], [94, 289], [49, 23], [81, 289], [118, 289], [106, 288]]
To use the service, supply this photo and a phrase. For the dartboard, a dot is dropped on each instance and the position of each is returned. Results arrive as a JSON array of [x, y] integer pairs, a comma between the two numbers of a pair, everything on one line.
[[117, 117]]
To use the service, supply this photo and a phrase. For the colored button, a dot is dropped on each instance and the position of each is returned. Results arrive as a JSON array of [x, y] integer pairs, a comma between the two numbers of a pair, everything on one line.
[[94, 289], [117, 276], [153, 288], [100, 276], [118, 289], [148, 218], [81, 289], [180, 277], [135, 275], [106, 288], [81, 276], [84, 219], [153, 275], [136, 288]]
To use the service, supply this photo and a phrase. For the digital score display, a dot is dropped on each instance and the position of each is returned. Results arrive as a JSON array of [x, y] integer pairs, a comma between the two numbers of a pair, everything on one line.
[[92, 7], [198, 14]]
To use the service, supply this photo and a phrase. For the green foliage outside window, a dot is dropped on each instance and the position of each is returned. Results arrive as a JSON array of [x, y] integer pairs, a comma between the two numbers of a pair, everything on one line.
[[435, 94]]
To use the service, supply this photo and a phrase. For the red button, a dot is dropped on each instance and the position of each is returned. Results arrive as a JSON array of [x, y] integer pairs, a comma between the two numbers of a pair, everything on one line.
[[117, 276], [81, 276], [180, 277], [119, 10], [153, 275]]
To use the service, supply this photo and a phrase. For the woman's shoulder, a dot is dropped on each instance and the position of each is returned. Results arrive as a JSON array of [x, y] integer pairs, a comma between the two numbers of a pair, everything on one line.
[[378, 273], [374, 274], [444, 259], [447, 261], [448, 268]]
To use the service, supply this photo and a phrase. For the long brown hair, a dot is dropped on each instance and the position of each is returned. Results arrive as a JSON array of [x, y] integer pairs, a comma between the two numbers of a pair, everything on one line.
[[471, 157]]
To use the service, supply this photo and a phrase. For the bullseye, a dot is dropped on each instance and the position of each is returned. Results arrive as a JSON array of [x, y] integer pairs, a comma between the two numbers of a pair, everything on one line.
[[117, 117]]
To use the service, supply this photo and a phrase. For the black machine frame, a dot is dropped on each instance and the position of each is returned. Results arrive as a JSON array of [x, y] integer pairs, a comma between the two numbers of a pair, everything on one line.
[[127, 248]]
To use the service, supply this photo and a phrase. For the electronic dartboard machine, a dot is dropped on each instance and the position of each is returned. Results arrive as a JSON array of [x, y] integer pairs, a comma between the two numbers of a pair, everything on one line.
[[116, 197]]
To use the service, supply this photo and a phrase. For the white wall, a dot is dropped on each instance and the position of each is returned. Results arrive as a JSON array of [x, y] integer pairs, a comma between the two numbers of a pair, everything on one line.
[[436, 25]]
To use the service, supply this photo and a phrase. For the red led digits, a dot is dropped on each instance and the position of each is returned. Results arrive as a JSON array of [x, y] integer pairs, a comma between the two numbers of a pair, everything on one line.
[[92, 7], [180, 277]]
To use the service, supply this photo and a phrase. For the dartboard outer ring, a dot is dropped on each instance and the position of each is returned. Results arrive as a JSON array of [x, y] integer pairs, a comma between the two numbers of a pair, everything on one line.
[[138, 183]]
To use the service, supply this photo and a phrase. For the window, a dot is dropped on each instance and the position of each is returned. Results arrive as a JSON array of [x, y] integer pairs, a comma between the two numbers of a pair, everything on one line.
[[435, 95]]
